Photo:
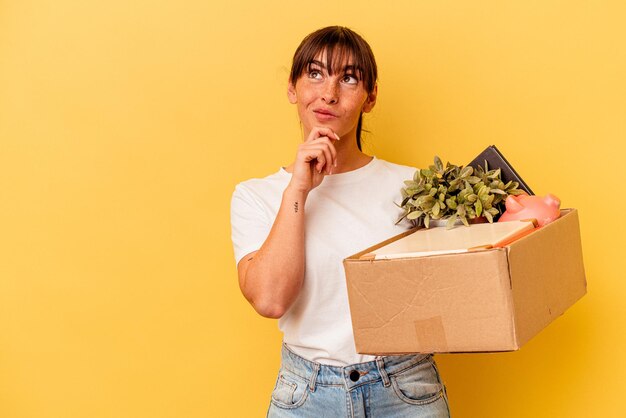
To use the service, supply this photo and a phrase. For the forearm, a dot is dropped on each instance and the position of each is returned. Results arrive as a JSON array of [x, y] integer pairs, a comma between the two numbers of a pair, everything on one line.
[[275, 274], [271, 280]]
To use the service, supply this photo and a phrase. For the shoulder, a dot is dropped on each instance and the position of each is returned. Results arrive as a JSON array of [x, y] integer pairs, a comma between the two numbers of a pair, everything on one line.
[[260, 193], [399, 170], [263, 185]]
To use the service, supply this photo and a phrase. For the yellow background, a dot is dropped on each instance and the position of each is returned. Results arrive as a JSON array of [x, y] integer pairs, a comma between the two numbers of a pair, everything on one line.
[[124, 126]]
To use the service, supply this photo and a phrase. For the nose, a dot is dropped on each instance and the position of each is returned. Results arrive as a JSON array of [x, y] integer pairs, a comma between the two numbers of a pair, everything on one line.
[[330, 93]]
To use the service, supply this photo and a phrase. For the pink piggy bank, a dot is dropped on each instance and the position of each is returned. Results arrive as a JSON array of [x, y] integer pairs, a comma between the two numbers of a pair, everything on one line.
[[543, 209]]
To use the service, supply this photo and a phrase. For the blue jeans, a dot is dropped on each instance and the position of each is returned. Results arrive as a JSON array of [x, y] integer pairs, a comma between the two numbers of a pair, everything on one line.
[[392, 386]]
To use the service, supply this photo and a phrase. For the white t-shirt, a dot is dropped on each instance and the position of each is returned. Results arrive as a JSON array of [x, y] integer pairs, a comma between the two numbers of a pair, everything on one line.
[[345, 214]]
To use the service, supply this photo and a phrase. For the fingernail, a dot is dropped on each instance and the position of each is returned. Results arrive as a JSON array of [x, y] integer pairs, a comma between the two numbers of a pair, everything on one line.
[[335, 163], [337, 136]]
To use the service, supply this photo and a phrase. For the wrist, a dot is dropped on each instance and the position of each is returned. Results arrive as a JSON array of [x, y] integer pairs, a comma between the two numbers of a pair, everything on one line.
[[295, 192], [295, 199]]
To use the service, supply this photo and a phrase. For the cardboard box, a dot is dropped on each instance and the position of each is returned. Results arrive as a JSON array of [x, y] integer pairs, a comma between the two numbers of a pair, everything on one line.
[[479, 301]]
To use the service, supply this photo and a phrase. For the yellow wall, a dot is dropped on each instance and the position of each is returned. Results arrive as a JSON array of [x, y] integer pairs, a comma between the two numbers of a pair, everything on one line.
[[124, 126]]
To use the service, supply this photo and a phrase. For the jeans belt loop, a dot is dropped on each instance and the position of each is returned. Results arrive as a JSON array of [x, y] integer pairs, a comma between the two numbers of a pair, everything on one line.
[[380, 363], [316, 369]]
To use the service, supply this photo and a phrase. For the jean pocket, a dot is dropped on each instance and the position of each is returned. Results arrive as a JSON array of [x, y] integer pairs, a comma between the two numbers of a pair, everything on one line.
[[291, 390], [418, 385]]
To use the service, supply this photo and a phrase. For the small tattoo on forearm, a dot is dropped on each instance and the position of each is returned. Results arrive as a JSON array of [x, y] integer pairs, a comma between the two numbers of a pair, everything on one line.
[[295, 207]]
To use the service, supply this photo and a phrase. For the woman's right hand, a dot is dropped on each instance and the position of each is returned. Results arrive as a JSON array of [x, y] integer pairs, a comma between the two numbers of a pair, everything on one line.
[[315, 158]]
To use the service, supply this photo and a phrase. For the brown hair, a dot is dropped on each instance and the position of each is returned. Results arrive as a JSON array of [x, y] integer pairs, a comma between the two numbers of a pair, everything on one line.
[[339, 43]]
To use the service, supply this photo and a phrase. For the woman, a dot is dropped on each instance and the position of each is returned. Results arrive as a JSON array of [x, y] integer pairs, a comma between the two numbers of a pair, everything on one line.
[[292, 229]]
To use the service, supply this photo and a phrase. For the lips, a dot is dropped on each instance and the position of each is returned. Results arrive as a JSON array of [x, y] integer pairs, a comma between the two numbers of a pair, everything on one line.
[[324, 114]]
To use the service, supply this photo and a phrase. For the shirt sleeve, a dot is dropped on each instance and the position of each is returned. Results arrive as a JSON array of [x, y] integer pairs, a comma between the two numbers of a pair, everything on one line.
[[249, 221]]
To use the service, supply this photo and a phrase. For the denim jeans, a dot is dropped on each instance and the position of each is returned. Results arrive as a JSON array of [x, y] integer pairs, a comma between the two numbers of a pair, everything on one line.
[[391, 386]]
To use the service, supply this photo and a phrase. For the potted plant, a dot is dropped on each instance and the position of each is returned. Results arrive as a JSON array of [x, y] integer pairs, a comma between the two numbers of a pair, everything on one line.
[[455, 193]]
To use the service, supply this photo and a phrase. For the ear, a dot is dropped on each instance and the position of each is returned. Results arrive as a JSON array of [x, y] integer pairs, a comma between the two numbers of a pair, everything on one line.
[[291, 93], [371, 100]]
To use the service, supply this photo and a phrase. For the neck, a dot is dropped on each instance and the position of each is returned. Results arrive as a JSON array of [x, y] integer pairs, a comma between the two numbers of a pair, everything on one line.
[[349, 156]]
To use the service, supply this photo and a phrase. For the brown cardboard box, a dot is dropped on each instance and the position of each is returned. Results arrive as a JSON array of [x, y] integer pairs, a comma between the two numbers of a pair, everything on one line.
[[488, 300]]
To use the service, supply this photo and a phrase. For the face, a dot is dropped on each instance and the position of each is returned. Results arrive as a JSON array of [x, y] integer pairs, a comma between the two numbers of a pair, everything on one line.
[[333, 101]]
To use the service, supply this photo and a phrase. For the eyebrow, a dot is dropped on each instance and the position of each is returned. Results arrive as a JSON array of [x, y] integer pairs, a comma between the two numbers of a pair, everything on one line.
[[346, 68]]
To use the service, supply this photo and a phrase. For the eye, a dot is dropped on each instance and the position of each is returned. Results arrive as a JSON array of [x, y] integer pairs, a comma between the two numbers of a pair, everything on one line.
[[350, 79], [315, 74]]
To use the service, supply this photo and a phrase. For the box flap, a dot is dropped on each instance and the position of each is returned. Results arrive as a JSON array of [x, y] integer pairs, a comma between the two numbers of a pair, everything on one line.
[[358, 255]]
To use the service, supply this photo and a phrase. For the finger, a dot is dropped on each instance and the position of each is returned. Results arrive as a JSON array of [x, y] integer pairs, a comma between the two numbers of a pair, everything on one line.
[[321, 163], [329, 150], [321, 131], [329, 158], [333, 152], [315, 156]]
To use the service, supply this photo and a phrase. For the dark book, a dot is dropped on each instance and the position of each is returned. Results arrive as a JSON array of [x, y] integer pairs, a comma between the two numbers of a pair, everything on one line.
[[495, 159]]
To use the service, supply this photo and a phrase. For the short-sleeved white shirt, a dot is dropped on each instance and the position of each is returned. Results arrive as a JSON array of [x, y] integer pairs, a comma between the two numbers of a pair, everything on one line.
[[345, 214]]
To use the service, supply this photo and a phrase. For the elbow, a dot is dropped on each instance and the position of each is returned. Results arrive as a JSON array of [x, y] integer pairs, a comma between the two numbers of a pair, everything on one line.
[[269, 309], [269, 303], [266, 304], [269, 298]]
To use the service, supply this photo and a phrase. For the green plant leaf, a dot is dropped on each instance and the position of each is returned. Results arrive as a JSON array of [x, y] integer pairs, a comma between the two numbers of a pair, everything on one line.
[[466, 172], [451, 220], [513, 185], [489, 217], [427, 221], [436, 208], [426, 173], [422, 199], [479, 207], [494, 174], [414, 215], [438, 163]]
